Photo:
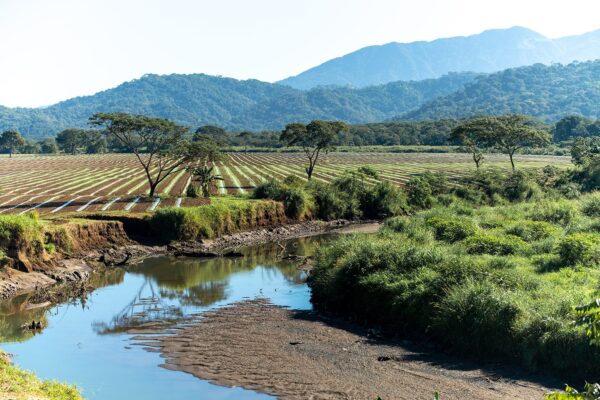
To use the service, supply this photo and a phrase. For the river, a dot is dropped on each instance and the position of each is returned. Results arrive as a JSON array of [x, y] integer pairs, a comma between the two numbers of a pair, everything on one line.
[[86, 342]]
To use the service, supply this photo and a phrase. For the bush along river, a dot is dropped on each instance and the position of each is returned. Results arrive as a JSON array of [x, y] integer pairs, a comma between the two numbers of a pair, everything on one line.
[[88, 342]]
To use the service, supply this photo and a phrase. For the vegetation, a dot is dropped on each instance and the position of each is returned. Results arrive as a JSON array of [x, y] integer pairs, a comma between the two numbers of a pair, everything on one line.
[[222, 216], [547, 92], [158, 144], [197, 99], [496, 268], [314, 138], [507, 133], [19, 384], [11, 140]]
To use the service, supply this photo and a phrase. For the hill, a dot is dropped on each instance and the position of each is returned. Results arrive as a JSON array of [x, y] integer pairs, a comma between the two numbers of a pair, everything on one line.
[[199, 99], [547, 92], [490, 51]]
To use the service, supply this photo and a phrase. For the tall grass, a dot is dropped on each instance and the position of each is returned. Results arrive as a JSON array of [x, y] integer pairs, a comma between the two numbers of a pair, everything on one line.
[[500, 282]]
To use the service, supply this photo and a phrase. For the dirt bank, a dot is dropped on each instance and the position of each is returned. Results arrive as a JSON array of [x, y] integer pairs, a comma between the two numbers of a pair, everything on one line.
[[298, 355], [96, 244]]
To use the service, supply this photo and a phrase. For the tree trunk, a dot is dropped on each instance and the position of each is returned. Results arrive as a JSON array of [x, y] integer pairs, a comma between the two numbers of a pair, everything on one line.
[[309, 171], [152, 188], [10, 154], [512, 163]]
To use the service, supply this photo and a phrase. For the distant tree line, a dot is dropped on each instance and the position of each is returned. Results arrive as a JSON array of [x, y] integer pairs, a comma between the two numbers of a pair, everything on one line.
[[392, 133]]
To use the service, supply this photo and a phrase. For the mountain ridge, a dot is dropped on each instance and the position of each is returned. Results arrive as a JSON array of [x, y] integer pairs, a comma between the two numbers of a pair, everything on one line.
[[487, 52]]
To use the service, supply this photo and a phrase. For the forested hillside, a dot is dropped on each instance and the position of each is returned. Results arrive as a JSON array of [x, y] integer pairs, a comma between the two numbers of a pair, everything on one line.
[[487, 52], [199, 99], [547, 92]]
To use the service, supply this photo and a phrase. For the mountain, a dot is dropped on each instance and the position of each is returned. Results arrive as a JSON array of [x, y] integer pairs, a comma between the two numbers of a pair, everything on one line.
[[490, 51], [547, 92], [199, 99]]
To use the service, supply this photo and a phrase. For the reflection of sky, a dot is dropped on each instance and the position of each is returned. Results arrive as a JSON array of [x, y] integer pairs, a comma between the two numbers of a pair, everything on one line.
[[69, 350]]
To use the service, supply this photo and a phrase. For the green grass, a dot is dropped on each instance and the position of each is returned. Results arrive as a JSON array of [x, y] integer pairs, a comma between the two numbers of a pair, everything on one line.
[[499, 282], [19, 384], [223, 216]]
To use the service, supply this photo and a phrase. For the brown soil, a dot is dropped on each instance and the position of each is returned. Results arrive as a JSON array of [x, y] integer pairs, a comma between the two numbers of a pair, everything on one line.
[[298, 355]]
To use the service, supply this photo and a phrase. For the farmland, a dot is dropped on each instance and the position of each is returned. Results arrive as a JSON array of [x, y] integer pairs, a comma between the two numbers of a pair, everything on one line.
[[116, 182]]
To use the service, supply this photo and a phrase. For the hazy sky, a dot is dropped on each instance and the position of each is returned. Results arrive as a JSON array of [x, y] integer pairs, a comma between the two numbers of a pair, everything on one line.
[[52, 50]]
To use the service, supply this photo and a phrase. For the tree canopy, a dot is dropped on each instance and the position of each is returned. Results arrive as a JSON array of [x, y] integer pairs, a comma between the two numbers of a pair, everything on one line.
[[160, 145], [11, 140], [314, 138]]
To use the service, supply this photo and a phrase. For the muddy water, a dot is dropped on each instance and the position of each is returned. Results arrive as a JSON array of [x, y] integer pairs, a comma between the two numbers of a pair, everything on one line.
[[87, 342]]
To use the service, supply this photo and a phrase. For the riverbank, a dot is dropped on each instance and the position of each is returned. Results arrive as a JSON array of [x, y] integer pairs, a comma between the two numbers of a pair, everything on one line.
[[108, 241], [300, 354], [19, 384]]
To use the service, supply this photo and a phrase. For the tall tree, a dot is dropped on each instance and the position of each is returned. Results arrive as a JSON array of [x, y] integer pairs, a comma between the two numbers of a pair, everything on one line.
[[314, 138], [158, 144], [507, 133], [70, 140], [11, 140]]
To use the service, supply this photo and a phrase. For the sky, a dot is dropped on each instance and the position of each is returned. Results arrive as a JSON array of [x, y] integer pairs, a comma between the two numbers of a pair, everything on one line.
[[52, 50]]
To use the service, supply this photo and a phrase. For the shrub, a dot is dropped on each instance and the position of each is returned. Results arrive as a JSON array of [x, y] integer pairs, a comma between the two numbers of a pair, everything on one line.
[[557, 212], [532, 230], [271, 189], [591, 206], [419, 193], [487, 243], [193, 192], [580, 248], [297, 203], [328, 202], [451, 230], [520, 186], [383, 200], [477, 317]]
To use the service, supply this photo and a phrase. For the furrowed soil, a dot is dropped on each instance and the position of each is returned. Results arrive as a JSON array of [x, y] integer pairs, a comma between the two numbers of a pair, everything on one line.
[[300, 355]]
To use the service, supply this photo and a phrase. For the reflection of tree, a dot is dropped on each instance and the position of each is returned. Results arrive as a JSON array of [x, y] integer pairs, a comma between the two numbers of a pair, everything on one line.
[[15, 313], [146, 310]]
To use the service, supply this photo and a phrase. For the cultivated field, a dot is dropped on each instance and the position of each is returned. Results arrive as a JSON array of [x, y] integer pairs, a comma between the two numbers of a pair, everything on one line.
[[116, 182]]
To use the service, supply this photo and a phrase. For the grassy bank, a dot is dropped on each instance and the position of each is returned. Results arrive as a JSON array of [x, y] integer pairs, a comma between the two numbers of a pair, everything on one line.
[[19, 384], [222, 216], [495, 282]]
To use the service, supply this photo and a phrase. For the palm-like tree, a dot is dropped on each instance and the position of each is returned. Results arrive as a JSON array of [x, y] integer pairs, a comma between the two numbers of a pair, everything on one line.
[[206, 178]]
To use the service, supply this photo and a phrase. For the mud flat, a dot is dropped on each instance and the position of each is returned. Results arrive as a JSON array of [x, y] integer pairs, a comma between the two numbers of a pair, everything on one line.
[[299, 355]]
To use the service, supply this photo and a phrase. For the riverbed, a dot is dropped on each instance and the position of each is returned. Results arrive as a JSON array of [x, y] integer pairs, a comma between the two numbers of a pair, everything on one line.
[[86, 342]]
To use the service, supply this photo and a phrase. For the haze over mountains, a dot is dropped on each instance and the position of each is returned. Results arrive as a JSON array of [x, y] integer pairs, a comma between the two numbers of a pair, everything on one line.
[[490, 51], [545, 91]]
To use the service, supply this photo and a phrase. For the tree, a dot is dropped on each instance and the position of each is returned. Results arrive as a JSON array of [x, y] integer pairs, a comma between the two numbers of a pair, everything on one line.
[[48, 146], [95, 142], [244, 136], [11, 140], [507, 133], [470, 135], [70, 140], [218, 134], [314, 138], [158, 144], [207, 152], [206, 178]]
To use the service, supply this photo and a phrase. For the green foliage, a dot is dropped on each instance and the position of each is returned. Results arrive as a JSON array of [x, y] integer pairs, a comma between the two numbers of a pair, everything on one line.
[[451, 229], [591, 391], [580, 248], [547, 92], [20, 384], [531, 231], [218, 218], [479, 312], [495, 244], [591, 206]]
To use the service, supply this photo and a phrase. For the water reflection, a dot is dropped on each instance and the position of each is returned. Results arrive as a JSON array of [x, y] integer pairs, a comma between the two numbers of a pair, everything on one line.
[[171, 284], [99, 330]]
